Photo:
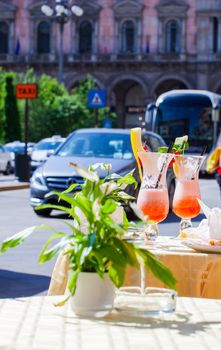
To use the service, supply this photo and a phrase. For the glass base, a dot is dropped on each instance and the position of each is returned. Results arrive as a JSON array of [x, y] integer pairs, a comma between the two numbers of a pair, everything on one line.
[[153, 302], [184, 224], [151, 232]]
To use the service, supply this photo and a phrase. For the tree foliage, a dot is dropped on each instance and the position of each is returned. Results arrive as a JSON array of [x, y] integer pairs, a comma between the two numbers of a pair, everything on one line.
[[56, 110], [12, 117]]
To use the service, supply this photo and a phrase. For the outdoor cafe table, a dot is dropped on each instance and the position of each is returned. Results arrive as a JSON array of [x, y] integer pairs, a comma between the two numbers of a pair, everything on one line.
[[34, 323], [198, 274]]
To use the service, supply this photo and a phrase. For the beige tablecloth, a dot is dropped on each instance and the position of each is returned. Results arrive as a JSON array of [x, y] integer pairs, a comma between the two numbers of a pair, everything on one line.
[[34, 323], [197, 274]]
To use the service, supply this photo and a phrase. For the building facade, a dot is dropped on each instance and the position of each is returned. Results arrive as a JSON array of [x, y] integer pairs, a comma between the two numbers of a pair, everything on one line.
[[135, 49]]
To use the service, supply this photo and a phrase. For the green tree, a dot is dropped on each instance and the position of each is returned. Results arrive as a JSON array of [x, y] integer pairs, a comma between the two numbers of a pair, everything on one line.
[[56, 110], [44, 117], [12, 117], [91, 117]]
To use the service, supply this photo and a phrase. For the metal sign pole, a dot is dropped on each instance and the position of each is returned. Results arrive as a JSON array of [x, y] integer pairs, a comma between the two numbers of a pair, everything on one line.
[[96, 117], [26, 126], [22, 161]]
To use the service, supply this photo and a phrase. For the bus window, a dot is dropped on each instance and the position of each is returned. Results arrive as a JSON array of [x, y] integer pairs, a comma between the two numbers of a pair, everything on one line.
[[186, 112], [205, 129]]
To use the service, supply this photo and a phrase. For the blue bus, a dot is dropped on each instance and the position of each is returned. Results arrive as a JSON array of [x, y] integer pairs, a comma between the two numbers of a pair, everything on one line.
[[195, 113]]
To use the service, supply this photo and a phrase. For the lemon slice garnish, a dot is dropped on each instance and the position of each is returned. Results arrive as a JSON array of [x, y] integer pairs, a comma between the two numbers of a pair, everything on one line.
[[136, 143], [175, 169], [179, 141]]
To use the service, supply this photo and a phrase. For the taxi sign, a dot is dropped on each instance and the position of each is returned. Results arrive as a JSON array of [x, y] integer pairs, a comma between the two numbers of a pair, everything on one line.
[[27, 91]]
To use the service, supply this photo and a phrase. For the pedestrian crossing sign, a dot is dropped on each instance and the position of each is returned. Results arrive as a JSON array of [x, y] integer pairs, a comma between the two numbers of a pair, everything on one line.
[[96, 98]]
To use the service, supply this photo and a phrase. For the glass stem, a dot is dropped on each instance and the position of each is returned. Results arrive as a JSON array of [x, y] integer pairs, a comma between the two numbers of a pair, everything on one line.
[[151, 232], [142, 278], [185, 223]]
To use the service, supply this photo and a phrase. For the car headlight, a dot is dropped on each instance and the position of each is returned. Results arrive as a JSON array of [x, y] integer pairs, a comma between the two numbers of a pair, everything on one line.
[[38, 180]]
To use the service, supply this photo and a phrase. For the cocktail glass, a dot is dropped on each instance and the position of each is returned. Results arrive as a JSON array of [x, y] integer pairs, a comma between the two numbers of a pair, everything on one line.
[[153, 198], [185, 203]]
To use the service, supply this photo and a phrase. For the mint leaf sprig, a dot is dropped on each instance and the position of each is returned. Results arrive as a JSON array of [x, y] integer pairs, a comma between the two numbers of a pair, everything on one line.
[[177, 149]]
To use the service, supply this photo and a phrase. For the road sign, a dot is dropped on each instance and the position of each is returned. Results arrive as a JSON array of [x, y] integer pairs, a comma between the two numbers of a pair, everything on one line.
[[27, 91], [96, 98]]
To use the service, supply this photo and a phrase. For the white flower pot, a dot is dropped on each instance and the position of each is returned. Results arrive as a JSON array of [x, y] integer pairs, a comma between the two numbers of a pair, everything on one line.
[[94, 296]]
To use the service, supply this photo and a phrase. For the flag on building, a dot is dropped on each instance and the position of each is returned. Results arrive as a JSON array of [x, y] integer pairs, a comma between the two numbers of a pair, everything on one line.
[[17, 47]]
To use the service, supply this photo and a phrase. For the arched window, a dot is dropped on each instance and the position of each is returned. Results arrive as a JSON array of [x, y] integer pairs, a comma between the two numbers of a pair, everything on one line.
[[128, 37], [4, 37], [215, 34], [85, 37], [172, 42], [43, 37]]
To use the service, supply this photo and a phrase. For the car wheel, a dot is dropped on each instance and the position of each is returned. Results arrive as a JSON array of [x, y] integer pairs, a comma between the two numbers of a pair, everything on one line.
[[43, 212], [8, 169], [171, 190]]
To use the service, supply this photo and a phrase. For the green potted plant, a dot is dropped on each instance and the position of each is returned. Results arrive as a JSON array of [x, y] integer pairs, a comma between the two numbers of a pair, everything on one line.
[[95, 245]]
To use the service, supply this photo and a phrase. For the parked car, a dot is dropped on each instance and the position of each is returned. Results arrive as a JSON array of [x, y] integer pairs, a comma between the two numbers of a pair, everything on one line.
[[5, 161], [43, 149], [85, 147], [18, 147]]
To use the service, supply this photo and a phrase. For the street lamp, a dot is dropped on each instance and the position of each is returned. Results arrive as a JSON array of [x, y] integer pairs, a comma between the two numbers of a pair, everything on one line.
[[62, 11]]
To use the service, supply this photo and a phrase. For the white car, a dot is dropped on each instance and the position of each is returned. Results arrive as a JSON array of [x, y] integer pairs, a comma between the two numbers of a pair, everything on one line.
[[5, 161], [43, 149]]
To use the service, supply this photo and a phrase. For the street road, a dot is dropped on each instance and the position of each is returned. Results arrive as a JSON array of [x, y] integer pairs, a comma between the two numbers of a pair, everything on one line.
[[20, 273]]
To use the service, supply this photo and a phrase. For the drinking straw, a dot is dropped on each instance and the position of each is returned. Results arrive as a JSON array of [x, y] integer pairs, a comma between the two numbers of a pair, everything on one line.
[[199, 162], [203, 150], [164, 164]]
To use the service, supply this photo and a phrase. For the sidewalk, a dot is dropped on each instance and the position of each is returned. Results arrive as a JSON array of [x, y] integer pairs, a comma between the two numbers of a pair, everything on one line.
[[8, 183]]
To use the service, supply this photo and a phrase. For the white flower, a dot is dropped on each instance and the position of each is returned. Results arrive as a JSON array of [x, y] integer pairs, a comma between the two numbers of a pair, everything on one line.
[[123, 186], [90, 175], [108, 187], [96, 209], [107, 167]]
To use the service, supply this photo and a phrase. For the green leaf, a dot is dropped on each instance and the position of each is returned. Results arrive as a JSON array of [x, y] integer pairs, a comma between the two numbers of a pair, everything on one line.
[[113, 176], [162, 149], [85, 252], [109, 206], [83, 203], [123, 196], [44, 253], [49, 254], [20, 237], [72, 282], [53, 206], [128, 179], [138, 212], [66, 198], [113, 255], [117, 274], [128, 251], [62, 302], [72, 187], [159, 270]]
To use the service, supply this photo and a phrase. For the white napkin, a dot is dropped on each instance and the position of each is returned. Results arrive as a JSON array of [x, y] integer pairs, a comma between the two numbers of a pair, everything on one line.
[[209, 228], [199, 232], [213, 220]]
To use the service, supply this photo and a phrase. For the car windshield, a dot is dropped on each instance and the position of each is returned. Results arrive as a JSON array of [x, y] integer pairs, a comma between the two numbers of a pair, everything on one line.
[[46, 146], [16, 149], [99, 145]]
